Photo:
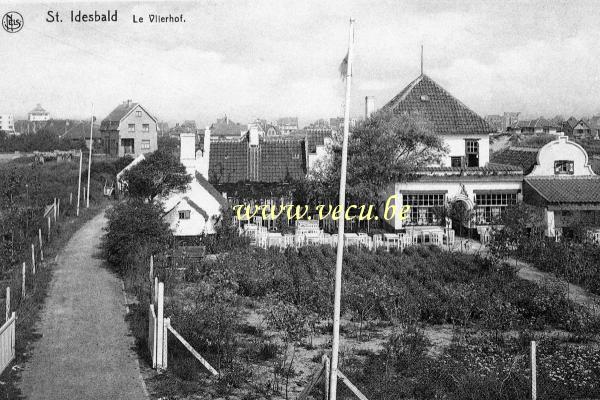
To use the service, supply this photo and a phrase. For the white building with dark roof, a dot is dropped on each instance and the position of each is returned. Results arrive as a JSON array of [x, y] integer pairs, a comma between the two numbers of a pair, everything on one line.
[[463, 174], [196, 210], [560, 180], [38, 114]]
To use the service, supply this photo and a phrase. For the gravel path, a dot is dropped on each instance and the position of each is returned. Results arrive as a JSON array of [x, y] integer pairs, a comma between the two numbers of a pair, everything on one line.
[[85, 351]]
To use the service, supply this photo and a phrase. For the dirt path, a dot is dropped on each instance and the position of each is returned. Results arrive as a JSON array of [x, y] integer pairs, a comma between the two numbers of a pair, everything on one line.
[[526, 271], [85, 351]]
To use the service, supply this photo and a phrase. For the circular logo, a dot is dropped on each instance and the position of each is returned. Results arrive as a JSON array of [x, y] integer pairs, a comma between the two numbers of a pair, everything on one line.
[[12, 22]]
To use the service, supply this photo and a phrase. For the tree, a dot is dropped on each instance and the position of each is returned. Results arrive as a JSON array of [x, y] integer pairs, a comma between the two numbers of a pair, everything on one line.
[[384, 149], [520, 226], [157, 175], [132, 226]]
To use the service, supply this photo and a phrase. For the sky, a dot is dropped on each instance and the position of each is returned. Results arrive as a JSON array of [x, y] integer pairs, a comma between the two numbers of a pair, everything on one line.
[[270, 59]]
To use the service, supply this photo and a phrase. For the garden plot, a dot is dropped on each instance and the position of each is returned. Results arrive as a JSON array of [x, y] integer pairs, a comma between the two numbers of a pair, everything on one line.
[[421, 324]]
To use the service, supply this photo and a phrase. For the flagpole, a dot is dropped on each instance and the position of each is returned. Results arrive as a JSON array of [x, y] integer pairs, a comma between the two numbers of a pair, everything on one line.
[[87, 201], [340, 245]]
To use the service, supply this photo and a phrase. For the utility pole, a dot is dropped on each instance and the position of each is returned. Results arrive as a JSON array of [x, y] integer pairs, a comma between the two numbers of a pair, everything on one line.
[[340, 245], [79, 181], [87, 202]]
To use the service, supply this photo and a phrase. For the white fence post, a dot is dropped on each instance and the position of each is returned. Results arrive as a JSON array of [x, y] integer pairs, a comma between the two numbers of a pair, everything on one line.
[[41, 246], [160, 323], [23, 282], [151, 267], [33, 258], [165, 348], [7, 304], [58, 208], [55, 209], [533, 372], [155, 293], [49, 228]]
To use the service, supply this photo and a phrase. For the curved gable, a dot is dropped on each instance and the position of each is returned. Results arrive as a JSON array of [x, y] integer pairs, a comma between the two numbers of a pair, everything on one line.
[[562, 149]]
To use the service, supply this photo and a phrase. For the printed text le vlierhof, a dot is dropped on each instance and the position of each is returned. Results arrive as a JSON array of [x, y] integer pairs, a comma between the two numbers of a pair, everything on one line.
[[109, 16]]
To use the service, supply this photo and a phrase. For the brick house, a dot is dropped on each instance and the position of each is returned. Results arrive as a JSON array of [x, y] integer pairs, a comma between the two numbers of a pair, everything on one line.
[[129, 130]]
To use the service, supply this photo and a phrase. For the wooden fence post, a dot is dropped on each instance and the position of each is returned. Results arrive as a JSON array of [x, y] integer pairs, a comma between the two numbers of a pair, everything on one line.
[[71, 198], [155, 299], [23, 282], [49, 228], [151, 267], [533, 372], [33, 258], [54, 209], [165, 349], [41, 245], [58, 208], [326, 376], [160, 322], [7, 303]]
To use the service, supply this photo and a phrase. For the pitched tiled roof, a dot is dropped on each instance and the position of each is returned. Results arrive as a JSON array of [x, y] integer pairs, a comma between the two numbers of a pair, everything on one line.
[[535, 123], [275, 159], [38, 110], [314, 137], [524, 157], [445, 113], [572, 122], [211, 189], [114, 118], [585, 189]]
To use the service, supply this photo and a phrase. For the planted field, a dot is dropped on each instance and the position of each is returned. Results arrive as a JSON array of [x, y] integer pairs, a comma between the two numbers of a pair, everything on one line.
[[421, 324]]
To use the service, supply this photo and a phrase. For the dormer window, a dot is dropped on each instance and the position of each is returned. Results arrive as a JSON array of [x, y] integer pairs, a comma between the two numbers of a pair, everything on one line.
[[564, 167], [472, 152]]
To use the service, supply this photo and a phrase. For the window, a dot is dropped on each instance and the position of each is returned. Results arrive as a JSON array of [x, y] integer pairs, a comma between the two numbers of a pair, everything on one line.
[[472, 152], [145, 127], [131, 127], [563, 167], [138, 113], [456, 162], [184, 214], [424, 208], [490, 206], [145, 145]]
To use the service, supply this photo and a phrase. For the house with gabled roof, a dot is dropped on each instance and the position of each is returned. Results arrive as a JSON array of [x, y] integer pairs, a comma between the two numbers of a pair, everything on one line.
[[463, 174], [559, 179], [129, 130], [576, 128], [538, 126], [196, 210]]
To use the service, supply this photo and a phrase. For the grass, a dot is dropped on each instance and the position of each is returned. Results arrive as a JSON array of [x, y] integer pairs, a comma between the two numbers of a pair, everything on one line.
[[28, 310]]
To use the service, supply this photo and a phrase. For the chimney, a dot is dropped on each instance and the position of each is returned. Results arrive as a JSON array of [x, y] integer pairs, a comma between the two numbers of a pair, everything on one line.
[[369, 106], [253, 135], [187, 148], [204, 160]]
